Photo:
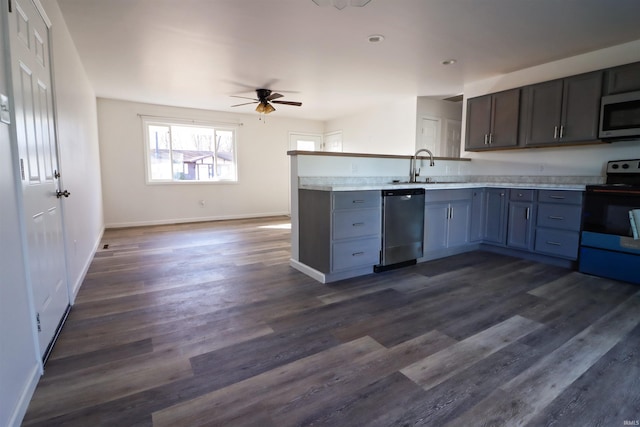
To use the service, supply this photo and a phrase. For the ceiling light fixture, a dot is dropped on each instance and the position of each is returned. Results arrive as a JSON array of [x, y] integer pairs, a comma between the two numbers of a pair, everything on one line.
[[341, 4], [449, 62], [375, 38]]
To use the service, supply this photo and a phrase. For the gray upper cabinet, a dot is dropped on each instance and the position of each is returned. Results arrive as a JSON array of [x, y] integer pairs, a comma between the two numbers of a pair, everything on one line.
[[492, 121], [562, 111], [625, 78]]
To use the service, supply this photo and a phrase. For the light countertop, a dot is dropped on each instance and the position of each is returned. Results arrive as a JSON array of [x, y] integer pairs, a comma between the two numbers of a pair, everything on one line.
[[574, 183]]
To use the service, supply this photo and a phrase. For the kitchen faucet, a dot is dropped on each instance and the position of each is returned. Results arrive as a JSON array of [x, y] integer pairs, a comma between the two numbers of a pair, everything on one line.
[[413, 171]]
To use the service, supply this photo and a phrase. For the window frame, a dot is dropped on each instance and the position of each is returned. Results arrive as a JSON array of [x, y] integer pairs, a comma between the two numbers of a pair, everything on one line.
[[148, 121]]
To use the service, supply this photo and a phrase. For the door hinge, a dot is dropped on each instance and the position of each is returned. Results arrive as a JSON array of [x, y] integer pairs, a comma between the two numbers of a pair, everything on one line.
[[56, 174], [38, 322], [22, 168]]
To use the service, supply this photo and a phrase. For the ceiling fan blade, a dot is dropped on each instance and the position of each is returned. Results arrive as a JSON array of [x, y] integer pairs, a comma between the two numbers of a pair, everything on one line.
[[246, 103], [274, 96], [297, 104], [243, 97]]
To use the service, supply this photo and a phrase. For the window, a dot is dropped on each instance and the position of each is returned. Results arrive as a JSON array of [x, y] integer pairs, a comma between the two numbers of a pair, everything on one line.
[[187, 152]]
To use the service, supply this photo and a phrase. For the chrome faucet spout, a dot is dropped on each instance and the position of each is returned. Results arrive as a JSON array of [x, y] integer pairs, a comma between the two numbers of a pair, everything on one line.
[[413, 171]]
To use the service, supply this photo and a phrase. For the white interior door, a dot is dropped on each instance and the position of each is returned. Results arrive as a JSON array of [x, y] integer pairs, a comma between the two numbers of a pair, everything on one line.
[[333, 141], [31, 75], [453, 138], [305, 141], [430, 135]]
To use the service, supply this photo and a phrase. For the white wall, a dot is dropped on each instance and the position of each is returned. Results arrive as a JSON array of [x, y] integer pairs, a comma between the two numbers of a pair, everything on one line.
[[78, 149], [19, 365], [386, 129], [577, 160], [263, 168], [82, 213]]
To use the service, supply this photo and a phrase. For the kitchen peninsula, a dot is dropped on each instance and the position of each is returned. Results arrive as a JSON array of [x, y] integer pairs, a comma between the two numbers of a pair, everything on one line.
[[533, 216]]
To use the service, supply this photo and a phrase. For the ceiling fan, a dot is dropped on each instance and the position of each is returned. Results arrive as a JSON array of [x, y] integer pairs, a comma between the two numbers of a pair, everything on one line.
[[264, 100]]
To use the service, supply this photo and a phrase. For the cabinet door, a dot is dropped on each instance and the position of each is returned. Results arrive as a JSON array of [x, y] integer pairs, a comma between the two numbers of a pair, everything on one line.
[[477, 215], [478, 122], [436, 219], [625, 78], [459, 213], [544, 110], [504, 119], [581, 107], [495, 214], [520, 227]]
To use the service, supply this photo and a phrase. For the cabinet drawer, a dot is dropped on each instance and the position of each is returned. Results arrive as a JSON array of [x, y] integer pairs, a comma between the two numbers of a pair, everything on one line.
[[356, 223], [356, 199], [522, 195], [557, 242], [560, 196], [565, 217], [447, 195], [354, 254]]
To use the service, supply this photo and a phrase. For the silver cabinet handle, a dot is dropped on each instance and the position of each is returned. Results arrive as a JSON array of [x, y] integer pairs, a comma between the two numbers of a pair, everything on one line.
[[490, 138], [557, 197], [554, 243], [561, 131], [527, 214], [555, 132], [358, 224], [357, 254], [451, 212], [486, 139], [555, 217], [358, 201]]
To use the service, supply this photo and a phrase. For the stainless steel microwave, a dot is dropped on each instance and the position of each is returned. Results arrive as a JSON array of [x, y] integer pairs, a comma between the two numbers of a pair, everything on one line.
[[620, 116]]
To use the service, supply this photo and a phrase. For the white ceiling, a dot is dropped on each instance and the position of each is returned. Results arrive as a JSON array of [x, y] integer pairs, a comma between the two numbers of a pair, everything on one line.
[[196, 53]]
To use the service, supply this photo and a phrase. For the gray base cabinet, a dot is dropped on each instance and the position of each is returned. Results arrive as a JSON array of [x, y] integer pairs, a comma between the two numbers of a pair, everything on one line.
[[495, 214], [520, 227], [446, 219], [558, 223], [339, 231]]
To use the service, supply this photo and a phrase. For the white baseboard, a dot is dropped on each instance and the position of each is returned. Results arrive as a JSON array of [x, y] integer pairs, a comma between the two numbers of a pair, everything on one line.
[[311, 272], [76, 286], [25, 397], [199, 219]]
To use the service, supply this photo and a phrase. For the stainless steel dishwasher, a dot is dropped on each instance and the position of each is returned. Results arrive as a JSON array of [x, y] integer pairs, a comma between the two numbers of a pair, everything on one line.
[[402, 227]]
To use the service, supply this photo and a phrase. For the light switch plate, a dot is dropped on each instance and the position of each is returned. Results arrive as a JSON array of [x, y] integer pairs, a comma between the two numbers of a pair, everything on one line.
[[4, 109]]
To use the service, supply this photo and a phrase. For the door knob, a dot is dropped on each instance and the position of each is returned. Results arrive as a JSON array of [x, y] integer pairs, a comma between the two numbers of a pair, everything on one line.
[[64, 193]]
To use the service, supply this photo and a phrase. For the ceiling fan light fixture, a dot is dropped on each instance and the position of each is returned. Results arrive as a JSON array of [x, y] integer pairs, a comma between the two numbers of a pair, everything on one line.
[[269, 108], [260, 108]]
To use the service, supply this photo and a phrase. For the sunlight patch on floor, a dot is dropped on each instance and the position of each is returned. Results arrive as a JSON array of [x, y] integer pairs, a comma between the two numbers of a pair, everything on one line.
[[286, 226]]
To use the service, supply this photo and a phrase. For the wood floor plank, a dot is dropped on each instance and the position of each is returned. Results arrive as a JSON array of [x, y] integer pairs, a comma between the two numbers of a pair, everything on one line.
[[613, 383], [441, 366], [225, 404], [206, 323], [531, 391]]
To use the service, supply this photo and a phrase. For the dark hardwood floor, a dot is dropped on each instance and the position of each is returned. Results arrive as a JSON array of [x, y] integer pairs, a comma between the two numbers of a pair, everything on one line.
[[206, 324]]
